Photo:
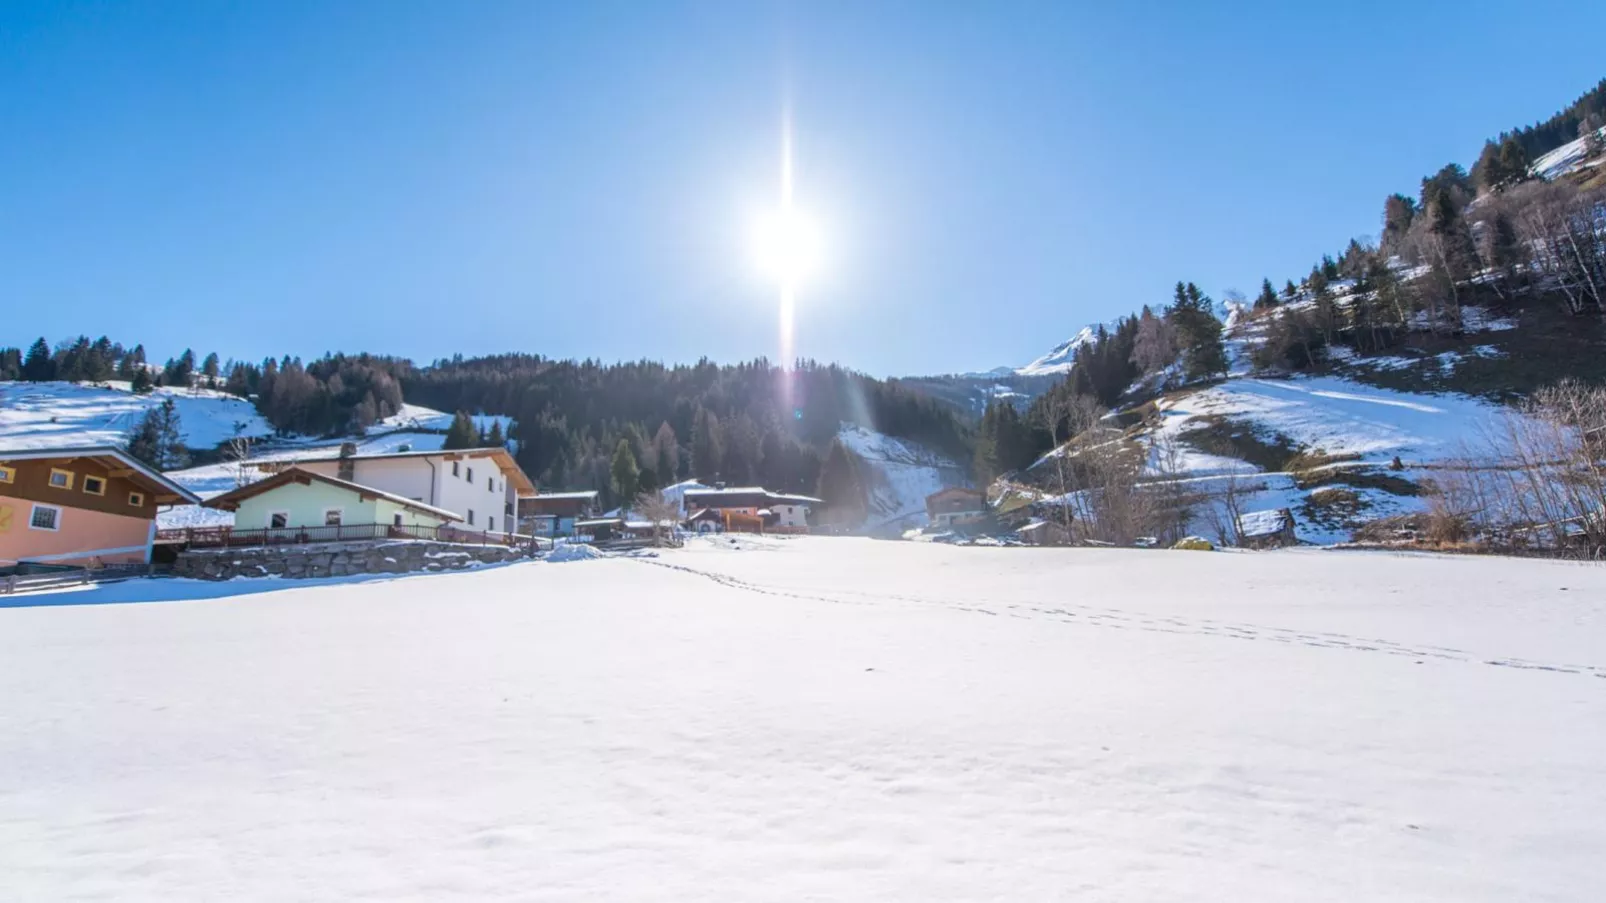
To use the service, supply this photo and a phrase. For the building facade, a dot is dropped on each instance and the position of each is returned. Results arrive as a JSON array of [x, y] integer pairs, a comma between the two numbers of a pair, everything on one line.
[[956, 506], [482, 486], [80, 506], [302, 502]]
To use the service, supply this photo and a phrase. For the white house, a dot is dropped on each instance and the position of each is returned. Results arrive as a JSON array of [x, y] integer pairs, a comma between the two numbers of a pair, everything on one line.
[[480, 485]]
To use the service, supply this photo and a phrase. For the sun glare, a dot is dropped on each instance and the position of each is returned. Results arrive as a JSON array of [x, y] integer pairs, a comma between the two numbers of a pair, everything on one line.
[[787, 246]]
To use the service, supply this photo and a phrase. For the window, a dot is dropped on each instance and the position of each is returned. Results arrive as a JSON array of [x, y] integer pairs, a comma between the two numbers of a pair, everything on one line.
[[45, 517], [278, 520], [396, 519], [137, 499], [490, 484], [454, 468], [331, 517], [471, 515], [60, 479], [490, 524], [8, 475], [471, 474], [95, 485]]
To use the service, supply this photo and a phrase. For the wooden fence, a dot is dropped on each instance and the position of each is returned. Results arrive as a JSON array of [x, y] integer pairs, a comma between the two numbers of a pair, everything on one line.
[[32, 577]]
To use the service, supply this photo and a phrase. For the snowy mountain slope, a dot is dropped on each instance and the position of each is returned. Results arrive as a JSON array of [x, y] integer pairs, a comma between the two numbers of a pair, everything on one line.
[[824, 719], [1568, 158], [900, 474], [1223, 435], [1336, 415], [1059, 360], [59, 414], [418, 417]]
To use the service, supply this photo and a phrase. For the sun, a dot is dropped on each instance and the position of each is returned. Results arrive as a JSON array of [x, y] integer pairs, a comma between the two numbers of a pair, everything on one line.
[[787, 247]]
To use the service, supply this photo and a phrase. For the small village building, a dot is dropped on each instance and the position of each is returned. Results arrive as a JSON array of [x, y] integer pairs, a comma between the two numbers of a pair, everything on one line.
[[777, 511], [554, 514], [1272, 529], [482, 486], [599, 529], [1039, 532], [80, 506], [956, 506], [307, 506]]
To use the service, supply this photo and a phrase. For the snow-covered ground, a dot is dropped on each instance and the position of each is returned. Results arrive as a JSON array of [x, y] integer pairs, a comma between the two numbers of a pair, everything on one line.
[[818, 719], [418, 417], [61, 414], [900, 475], [1562, 160], [1337, 415]]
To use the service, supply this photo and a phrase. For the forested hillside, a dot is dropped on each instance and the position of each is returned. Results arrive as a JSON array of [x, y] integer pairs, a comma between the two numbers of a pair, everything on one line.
[[1501, 241], [747, 423]]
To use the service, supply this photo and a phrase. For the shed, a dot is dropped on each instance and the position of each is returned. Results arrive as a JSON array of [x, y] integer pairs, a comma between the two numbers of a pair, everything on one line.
[[1270, 529]]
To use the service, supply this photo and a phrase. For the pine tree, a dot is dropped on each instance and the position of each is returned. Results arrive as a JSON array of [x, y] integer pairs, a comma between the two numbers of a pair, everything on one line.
[[209, 368], [840, 487], [1268, 296], [142, 384], [666, 452], [157, 439], [707, 446], [495, 439], [626, 476], [38, 366], [1198, 332], [461, 434]]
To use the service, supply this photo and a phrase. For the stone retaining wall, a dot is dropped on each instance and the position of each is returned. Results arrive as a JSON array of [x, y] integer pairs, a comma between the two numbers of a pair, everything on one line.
[[337, 559]]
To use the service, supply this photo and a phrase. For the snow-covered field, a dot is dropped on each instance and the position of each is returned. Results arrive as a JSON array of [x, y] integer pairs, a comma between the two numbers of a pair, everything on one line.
[[818, 719], [61, 414]]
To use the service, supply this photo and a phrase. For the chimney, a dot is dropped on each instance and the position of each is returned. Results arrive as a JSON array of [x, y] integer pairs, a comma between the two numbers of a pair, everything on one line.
[[348, 467]]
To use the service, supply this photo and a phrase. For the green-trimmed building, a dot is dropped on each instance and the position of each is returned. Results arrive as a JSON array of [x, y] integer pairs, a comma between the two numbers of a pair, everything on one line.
[[296, 499]]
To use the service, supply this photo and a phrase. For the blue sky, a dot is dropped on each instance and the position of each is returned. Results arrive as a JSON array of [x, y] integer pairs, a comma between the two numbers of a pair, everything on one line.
[[580, 179]]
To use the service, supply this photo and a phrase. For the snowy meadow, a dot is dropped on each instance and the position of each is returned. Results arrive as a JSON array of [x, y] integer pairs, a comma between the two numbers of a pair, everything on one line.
[[817, 719]]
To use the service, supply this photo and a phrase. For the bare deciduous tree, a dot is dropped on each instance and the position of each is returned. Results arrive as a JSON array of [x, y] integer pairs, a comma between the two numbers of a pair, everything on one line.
[[238, 453], [662, 513]]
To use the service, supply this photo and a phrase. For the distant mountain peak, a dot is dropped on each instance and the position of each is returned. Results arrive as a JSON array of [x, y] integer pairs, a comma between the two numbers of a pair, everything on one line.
[[1063, 356]]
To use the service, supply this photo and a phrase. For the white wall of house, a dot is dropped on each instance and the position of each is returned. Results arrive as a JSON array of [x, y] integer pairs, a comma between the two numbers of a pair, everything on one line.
[[477, 490], [407, 477], [791, 515]]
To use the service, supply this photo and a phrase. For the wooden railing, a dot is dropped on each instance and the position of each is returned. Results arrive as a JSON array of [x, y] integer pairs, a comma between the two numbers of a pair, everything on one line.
[[229, 537], [27, 577]]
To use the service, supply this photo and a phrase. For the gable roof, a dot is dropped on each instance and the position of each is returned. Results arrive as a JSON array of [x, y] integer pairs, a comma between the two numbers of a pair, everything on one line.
[[230, 501], [522, 485], [163, 490]]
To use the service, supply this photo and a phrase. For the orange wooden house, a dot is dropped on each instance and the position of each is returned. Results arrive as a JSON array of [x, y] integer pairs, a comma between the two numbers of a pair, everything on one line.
[[80, 506]]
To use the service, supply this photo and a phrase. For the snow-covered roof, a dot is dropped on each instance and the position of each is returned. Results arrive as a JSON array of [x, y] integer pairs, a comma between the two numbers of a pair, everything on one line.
[[581, 494], [1263, 523], [504, 461], [783, 498]]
